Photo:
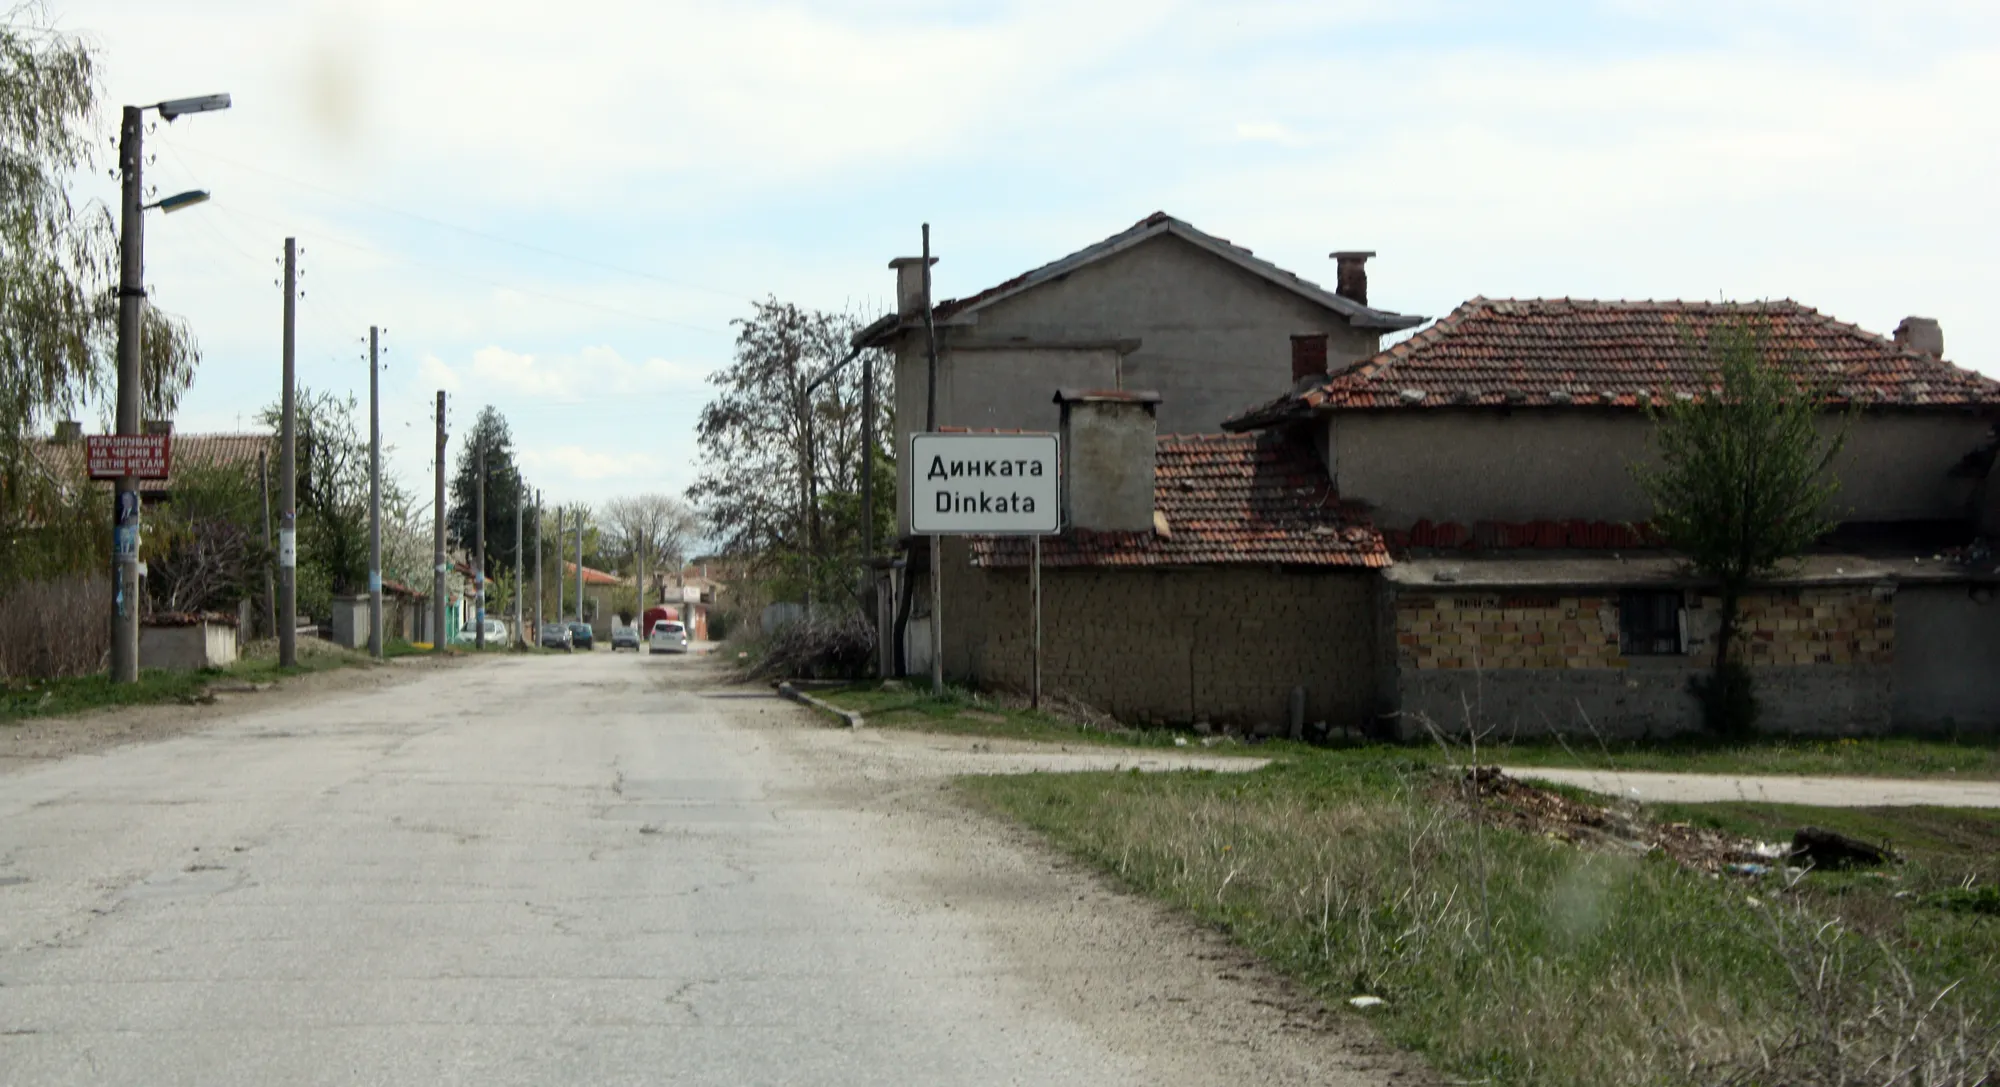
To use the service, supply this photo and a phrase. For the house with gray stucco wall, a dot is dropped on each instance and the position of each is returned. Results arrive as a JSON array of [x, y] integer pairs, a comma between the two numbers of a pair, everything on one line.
[[1161, 307], [1494, 452]]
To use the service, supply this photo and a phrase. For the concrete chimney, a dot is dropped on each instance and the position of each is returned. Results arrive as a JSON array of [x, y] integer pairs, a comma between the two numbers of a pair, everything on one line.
[[910, 287], [1108, 442], [1353, 282], [1921, 334], [69, 432], [1308, 358], [159, 426]]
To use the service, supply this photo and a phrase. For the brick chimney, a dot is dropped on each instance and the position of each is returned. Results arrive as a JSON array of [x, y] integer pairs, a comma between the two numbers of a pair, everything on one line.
[[1308, 357], [68, 432], [1108, 441], [910, 287], [159, 426], [1353, 282], [1921, 334]]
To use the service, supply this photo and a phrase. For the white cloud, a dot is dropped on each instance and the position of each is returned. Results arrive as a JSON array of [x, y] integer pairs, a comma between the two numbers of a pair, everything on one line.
[[593, 464], [1267, 132], [592, 375]]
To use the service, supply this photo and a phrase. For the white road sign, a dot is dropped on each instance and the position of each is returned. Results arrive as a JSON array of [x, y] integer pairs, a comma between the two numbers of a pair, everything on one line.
[[984, 485]]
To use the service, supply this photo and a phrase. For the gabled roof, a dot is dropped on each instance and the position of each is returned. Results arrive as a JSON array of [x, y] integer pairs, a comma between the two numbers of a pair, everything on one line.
[[1152, 226], [189, 451], [1226, 500], [592, 576], [1561, 352]]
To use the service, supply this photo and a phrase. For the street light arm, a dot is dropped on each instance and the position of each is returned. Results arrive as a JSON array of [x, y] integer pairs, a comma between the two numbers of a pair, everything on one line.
[[175, 107]]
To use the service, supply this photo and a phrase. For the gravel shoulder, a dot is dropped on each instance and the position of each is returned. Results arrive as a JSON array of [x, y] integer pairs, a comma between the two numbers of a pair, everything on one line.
[[1819, 792]]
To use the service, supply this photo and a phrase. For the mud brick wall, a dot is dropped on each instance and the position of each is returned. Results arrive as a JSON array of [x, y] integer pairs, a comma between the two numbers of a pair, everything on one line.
[[1222, 645], [1535, 663]]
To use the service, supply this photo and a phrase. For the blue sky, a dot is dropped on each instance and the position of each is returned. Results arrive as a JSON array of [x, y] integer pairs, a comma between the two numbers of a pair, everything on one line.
[[430, 155]]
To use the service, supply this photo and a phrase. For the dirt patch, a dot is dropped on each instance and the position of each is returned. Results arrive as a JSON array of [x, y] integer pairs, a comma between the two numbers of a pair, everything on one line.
[[1511, 802], [41, 739]]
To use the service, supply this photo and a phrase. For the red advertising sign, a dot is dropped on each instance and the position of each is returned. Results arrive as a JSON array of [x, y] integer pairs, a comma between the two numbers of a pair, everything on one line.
[[141, 456]]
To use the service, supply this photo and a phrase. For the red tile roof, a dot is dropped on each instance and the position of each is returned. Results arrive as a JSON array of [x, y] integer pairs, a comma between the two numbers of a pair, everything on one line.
[[189, 451], [591, 576], [1227, 499], [1556, 352]]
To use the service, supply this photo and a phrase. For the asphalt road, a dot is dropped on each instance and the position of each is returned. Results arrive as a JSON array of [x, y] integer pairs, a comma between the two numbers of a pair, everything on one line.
[[588, 869]]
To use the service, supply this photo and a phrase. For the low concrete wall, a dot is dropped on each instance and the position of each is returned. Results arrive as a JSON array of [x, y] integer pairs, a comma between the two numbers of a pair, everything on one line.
[[187, 648], [1948, 659], [1223, 645]]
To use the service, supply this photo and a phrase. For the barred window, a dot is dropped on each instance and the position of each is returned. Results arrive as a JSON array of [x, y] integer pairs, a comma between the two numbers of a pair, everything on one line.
[[1649, 623]]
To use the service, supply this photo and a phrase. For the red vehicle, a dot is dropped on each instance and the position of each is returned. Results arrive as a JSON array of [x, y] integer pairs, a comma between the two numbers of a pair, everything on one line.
[[655, 614]]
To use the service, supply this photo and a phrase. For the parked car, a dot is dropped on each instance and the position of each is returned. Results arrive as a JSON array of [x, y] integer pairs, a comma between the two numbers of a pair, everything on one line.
[[496, 632], [624, 638], [669, 636], [581, 636], [556, 636]]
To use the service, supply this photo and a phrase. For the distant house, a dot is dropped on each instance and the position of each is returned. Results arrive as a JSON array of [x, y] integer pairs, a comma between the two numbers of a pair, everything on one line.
[[1449, 528]]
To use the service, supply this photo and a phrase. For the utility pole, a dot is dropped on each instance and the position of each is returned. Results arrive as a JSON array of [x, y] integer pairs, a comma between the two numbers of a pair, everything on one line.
[[479, 545], [518, 586], [270, 578], [562, 578], [438, 633], [538, 567], [579, 567], [131, 310], [937, 542], [374, 497], [288, 509]]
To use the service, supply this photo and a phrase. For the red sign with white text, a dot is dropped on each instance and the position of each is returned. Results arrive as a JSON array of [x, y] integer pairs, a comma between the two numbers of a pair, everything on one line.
[[141, 456]]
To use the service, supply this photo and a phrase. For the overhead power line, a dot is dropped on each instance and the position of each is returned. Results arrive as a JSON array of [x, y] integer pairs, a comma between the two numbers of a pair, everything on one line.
[[470, 231]]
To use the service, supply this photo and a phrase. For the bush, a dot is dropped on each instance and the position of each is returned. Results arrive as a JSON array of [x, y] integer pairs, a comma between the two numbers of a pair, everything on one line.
[[838, 647], [55, 627]]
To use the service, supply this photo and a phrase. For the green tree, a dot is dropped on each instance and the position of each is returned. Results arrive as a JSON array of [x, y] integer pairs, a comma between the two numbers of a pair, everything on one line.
[[205, 550], [505, 492], [58, 280], [1742, 486], [332, 490], [781, 471]]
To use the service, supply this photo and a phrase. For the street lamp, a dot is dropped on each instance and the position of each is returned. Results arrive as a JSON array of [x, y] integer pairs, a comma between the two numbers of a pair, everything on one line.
[[131, 297]]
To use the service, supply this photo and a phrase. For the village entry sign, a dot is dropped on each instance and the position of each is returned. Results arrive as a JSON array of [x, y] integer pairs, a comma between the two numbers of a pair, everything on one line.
[[984, 485]]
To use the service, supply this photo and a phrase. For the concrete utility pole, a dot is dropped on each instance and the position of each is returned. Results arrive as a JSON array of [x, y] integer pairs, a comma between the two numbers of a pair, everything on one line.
[[288, 508], [538, 568], [519, 639], [131, 309], [937, 542], [479, 545], [579, 567], [374, 497], [270, 578], [562, 577], [438, 633], [125, 600]]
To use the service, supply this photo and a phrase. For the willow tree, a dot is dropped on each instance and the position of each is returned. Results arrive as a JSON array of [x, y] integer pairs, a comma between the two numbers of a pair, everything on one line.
[[58, 287], [1743, 485]]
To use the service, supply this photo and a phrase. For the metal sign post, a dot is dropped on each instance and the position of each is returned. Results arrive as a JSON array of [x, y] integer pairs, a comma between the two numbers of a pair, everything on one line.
[[983, 485], [1035, 588]]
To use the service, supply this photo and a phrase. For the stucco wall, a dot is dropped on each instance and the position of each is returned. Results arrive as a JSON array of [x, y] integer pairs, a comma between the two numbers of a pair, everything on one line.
[[989, 389], [1214, 339], [1225, 646], [1556, 465], [1823, 659], [1948, 666]]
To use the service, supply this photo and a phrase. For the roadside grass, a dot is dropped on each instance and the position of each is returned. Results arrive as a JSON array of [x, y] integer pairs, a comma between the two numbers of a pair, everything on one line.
[[964, 712], [26, 699], [1510, 958]]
